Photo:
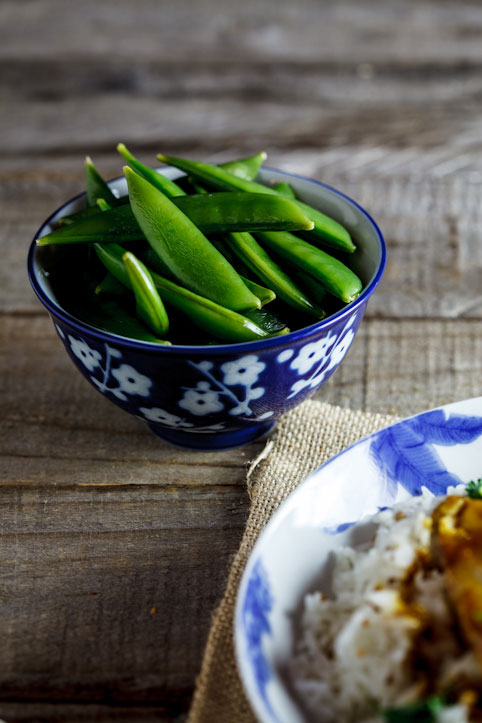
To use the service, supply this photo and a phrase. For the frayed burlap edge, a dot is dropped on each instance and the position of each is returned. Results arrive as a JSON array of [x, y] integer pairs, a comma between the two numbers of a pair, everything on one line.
[[304, 439]]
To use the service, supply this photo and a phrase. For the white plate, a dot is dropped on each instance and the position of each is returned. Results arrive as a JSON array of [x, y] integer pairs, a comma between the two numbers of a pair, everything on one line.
[[435, 450]]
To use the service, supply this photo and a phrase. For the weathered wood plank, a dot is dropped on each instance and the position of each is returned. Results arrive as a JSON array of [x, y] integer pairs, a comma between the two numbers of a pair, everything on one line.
[[222, 122], [93, 583], [342, 82], [368, 31], [415, 365], [41, 711]]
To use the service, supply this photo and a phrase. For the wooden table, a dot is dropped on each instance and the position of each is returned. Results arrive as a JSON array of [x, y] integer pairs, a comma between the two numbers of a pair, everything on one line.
[[115, 546]]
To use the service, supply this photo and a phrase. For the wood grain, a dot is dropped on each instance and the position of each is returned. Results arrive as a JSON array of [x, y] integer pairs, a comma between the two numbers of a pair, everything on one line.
[[395, 31], [115, 546]]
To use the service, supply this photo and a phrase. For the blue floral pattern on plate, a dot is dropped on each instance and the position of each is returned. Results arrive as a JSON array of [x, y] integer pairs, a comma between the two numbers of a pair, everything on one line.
[[429, 454], [406, 452], [257, 605]]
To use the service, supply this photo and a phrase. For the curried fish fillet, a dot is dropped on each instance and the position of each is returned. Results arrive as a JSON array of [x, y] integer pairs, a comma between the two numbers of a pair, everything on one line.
[[457, 547]]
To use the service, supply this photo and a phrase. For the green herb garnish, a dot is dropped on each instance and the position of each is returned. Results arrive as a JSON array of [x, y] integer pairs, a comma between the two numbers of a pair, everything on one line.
[[474, 489], [423, 711]]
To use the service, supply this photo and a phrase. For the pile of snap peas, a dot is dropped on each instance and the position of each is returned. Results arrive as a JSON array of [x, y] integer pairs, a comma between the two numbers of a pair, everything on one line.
[[197, 260]]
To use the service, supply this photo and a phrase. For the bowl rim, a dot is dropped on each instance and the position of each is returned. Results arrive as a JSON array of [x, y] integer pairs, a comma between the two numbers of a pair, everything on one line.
[[240, 347]]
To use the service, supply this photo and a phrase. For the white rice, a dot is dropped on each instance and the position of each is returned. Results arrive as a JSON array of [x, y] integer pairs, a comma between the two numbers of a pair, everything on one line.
[[351, 659]]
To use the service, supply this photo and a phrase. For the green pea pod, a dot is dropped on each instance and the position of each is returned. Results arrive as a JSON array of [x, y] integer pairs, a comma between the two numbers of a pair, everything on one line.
[[333, 274], [153, 261], [89, 212], [112, 316], [162, 183], [233, 211], [222, 323], [197, 187], [102, 205], [255, 257], [149, 304], [211, 213], [246, 168], [96, 186], [109, 285], [325, 228], [221, 245], [116, 224], [184, 249], [268, 321], [284, 189], [314, 288], [264, 295], [79, 216], [111, 256]]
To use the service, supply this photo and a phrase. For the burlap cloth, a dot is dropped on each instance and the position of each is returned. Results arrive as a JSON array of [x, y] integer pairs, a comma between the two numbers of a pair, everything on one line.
[[304, 438]]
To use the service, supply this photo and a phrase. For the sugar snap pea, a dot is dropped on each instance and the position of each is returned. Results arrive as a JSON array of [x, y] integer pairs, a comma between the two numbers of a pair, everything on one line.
[[246, 168], [95, 185], [112, 315], [84, 214], [333, 274], [176, 254], [197, 188], [268, 321], [184, 249], [255, 257], [102, 205], [284, 189], [236, 211], [213, 318], [149, 306], [170, 188], [264, 294], [314, 288], [242, 167], [211, 213], [153, 261], [110, 285], [325, 228]]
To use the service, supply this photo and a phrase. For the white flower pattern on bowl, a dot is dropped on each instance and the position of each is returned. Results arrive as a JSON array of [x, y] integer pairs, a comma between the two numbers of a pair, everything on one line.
[[201, 400], [324, 354], [90, 358], [156, 415], [205, 397], [231, 385], [160, 416], [129, 380]]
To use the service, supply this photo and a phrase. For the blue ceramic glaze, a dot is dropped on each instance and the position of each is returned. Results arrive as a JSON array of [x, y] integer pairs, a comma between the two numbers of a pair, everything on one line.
[[225, 395]]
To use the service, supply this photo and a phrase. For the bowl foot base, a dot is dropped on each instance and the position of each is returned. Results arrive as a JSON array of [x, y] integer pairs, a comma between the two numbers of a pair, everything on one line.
[[211, 441]]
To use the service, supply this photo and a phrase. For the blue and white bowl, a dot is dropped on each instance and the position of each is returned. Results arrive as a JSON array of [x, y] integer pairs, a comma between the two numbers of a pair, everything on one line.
[[429, 453], [227, 395]]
